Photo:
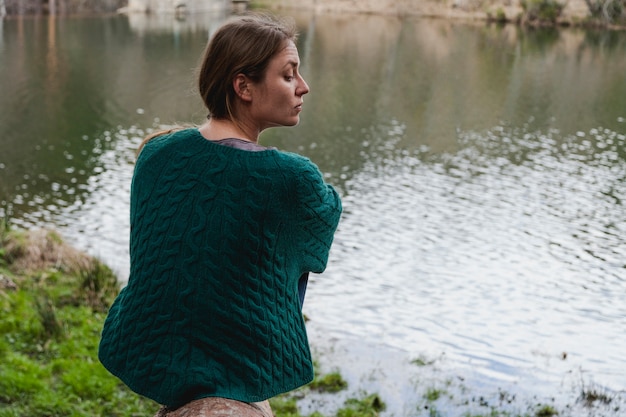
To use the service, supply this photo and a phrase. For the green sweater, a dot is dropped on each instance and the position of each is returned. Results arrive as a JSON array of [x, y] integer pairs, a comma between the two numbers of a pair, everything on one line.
[[219, 239]]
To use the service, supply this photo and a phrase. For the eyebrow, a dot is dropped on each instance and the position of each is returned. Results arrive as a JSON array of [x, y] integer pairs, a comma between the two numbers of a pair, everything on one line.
[[291, 63]]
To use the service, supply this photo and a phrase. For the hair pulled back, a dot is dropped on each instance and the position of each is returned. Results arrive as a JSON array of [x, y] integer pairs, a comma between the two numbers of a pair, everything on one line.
[[244, 45]]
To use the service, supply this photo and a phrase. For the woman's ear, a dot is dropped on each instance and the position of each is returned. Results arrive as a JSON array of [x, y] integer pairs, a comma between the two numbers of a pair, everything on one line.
[[241, 85]]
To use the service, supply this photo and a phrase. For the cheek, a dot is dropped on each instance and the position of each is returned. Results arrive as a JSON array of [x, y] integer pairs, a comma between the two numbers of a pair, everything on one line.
[[278, 95]]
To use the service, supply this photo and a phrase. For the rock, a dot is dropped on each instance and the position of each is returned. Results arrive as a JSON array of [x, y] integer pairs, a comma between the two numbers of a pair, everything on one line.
[[218, 407]]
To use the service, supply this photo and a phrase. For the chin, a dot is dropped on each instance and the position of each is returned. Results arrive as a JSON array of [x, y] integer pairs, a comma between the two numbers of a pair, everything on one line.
[[285, 123], [293, 122]]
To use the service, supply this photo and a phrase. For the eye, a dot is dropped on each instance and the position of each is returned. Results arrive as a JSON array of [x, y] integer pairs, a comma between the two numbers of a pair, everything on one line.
[[289, 77]]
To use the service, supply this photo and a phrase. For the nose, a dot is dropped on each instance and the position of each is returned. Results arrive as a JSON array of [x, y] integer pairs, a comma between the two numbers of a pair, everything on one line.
[[302, 88]]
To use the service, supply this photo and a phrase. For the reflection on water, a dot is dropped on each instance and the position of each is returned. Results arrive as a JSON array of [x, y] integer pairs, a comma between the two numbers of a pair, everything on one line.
[[483, 172]]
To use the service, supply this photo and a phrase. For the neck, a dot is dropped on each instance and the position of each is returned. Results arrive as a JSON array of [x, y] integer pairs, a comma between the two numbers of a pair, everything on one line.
[[217, 129]]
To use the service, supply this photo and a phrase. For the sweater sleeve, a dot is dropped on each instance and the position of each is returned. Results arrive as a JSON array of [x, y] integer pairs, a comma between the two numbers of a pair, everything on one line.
[[317, 210]]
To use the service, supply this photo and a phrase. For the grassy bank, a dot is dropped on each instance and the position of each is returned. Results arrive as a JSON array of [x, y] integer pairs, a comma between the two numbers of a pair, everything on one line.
[[53, 302]]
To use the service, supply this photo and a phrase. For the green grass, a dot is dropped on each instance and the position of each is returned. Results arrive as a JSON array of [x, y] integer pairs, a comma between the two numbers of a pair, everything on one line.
[[48, 353], [50, 321], [433, 394], [368, 406], [332, 382]]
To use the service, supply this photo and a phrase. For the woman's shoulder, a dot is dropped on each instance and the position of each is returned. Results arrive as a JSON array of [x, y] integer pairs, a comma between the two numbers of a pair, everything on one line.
[[295, 160], [167, 138], [181, 144], [172, 136]]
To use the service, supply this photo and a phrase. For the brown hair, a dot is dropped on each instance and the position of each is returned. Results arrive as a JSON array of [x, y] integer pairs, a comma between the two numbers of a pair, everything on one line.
[[243, 45]]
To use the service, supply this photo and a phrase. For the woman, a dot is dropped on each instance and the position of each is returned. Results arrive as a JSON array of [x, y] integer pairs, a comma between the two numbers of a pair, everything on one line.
[[223, 235]]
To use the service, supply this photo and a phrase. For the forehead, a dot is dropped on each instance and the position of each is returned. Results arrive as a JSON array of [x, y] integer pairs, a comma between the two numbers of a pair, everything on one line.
[[287, 56]]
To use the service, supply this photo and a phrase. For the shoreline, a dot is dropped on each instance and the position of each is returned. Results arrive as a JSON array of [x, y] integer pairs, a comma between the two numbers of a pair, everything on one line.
[[574, 13], [352, 378], [530, 13]]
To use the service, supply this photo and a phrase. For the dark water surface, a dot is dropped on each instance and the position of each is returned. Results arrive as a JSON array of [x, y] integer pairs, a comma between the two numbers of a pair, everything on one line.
[[482, 168]]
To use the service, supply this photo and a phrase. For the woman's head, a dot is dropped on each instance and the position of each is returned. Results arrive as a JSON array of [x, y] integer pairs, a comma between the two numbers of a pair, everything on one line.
[[245, 46]]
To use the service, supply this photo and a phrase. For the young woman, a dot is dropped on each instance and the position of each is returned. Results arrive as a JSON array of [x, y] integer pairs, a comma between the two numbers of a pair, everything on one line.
[[223, 235]]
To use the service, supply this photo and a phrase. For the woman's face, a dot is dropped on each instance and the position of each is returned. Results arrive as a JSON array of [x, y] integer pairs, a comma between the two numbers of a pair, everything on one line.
[[277, 99]]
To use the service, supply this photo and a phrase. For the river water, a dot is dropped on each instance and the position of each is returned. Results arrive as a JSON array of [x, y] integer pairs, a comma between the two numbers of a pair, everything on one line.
[[482, 251]]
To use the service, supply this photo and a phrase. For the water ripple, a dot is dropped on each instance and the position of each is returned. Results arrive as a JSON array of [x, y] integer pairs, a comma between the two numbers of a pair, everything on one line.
[[500, 255]]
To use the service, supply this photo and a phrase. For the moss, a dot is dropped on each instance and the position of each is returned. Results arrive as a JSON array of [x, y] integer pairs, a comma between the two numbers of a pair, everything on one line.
[[368, 406], [433, 394], [546, 411], [284, 406], [422, 361], [332, 382]]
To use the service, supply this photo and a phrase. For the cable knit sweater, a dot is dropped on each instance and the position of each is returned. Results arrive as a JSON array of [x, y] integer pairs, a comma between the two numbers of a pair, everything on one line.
[[219, 239]]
